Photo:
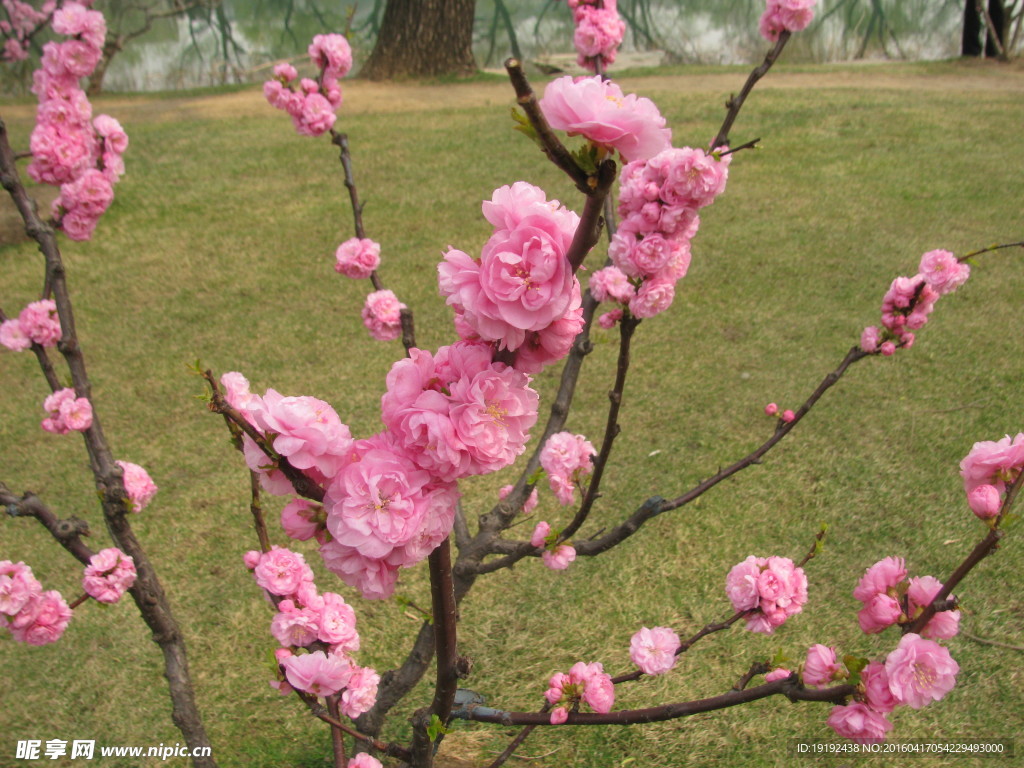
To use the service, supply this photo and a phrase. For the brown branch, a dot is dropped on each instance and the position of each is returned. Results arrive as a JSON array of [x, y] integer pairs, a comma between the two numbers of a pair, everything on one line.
[[147, 592], [627, 327], [990, 248], [68, 532], [550, 144], [657, 505], [983, 549], [790, 688], [302, 484], [735, 103], [256, 508], [318, 711]]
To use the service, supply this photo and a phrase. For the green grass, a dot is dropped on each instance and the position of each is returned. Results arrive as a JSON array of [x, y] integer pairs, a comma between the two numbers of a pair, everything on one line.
[[219, 247]]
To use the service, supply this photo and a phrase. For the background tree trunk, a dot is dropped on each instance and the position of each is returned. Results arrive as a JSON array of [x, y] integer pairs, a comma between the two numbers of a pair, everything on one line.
[[974, 24], [423, 38]]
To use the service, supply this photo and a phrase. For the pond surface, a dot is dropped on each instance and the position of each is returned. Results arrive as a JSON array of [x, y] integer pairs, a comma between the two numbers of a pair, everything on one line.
[[240, 40]]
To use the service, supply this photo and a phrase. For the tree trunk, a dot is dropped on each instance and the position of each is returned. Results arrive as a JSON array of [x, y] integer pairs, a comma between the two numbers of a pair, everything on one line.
[[423, 38], [974, 23]]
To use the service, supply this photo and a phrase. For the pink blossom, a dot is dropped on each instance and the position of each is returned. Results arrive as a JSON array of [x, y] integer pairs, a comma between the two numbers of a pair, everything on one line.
[[360, 692], [295, 626], [599, 692], [252, 558], [281, 571], [42, 620], [301, 519], [985, 501], [879, 612], [741, 584], [599, 32], [880, 578], [693, 178], [771, 409], [920, 671], [39, 321], [357, 258], [364, 760], [338, 624], [138, 485], [821, 666], [307, 431], [652, 298], [109, 575], [788, 416], [74, 19], [509, 205], [559, 715], [316, 116], [331, 53], [559, 559], [584, 682], [609, 319], [600, 112], [654, 650], [318, 673], [869, 339], [540, 534], [566, 458], [943, 271], [611, 283], [285, 72], [236, 392], [993, 463], [12, 337], [920, 593], [876, 688], [859, 722], [66, 412], [382, 315], [779, 673], [375, 578], [18, 586], [549, 345]]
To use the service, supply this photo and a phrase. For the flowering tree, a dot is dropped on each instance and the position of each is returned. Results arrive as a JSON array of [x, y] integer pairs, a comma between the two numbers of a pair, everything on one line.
[[391, 500]]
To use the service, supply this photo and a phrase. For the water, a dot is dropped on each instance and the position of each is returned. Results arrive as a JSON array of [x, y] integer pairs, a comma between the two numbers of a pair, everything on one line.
[[241, 41]]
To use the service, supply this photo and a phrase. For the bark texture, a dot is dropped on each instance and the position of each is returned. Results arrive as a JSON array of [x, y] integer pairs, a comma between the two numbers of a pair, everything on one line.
[[423, 38]]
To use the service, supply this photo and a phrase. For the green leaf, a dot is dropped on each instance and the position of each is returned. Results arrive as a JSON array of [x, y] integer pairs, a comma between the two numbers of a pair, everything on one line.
[[780, 659], [436, 728], [537, 476], [524, 126], [586, 158], [855, 663]]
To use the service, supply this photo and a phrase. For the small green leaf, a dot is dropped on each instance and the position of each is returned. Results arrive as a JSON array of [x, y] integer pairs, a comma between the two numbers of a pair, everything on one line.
[[524, 126], [780, 659], [436, 728], [855, 664], [536, 477]]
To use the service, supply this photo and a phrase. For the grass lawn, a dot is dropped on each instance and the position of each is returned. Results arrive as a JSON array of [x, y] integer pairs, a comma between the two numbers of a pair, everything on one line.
[[219, 247]]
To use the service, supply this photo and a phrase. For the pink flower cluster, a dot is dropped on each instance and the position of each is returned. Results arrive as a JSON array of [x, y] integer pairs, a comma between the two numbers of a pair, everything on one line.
[[305, 623], [566, 459], [32, 615], [137, 484], [521, 294], [658, 202], [787, 415], [66, 413], [909, 301], [888, 598], [917, 672], [35, 324], [785, 15], [654, 650], [772, 589], [109, 574], [382, 315], [987, 469], [312, 104], [598, 110], [21, 22], [83, 155], [599, 32], [587, 683], [357, 258], [390, 499], [555, 556]]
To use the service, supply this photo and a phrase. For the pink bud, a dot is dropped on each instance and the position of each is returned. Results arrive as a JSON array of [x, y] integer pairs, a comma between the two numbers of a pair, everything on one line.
[[771, 409], [251, 559], [788, 416], [888, 348], [984, 501]]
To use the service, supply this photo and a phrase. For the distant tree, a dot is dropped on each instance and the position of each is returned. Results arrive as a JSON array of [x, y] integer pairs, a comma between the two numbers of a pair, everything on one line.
[[420, 38], [974, 22]]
